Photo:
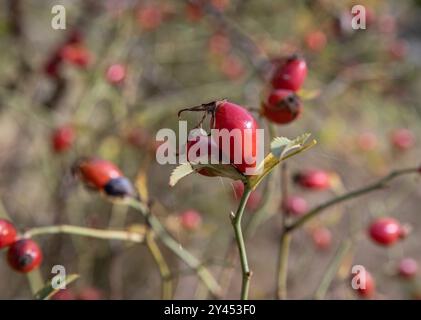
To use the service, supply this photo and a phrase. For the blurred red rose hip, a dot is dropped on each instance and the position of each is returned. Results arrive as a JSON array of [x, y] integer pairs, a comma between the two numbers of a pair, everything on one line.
[[116, 73], [322, 238], [291, 74], [282, 106], [408, 267], [190, 220], [296, 205], [313, 179], [385, 231], [402, 139], [8, 233], [24, 255], [63, 138]]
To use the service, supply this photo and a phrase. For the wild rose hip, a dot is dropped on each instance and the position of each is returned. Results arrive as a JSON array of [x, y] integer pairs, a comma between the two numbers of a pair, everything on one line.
[[408, 268], [230, 116], [76, 54], [97, 173], [200, 142], [64, 294], [89, 293], [7, 233], [63, 138], [291, 74], [116, 74], [282, 106], [316, 40], [367, 289], [322, 238], [190, 220], [402, 139], [24, 255], [386, 231], [296, 205], [313, 179]]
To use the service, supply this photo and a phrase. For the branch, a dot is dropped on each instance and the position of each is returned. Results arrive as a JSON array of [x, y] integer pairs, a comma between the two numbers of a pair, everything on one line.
[[88, 232], [380, 184], [236, 222], [166, 238], [164, 270]]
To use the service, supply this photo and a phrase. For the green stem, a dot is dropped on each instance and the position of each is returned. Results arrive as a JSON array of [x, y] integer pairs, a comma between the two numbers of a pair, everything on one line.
[[87, 232], [380, 184], [332, 270], [281, 292], [164, 270], [202, 272], [236, 222]]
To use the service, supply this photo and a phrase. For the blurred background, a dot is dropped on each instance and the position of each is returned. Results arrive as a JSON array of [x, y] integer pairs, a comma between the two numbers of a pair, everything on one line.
[[122, 69]]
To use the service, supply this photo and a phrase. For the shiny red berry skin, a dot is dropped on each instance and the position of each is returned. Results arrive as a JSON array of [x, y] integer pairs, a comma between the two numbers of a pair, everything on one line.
[[24, 255], [203, 141], [408, 268], [7, 233], [282, 106], [97, 172], [385, 231], [322, 238], [402, 139], [231, 117], [76, 54], [313, 179], [190, 220], [63, 138], [290, 75], [116, 73], [296, 205], [254, 199], [370, 287]]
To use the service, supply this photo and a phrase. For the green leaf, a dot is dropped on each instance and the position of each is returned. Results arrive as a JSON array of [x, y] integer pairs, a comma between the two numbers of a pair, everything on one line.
[[280, 147], [180, 172], [48, 291]]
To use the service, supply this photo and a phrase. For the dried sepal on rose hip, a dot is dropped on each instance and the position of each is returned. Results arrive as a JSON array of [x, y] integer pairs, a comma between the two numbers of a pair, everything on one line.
[[387, 231], [24, 255], [8, 234], [103, 175]]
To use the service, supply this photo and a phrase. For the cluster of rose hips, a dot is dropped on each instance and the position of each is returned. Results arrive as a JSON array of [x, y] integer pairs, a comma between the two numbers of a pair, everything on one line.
[[23, 255], [282, 104]]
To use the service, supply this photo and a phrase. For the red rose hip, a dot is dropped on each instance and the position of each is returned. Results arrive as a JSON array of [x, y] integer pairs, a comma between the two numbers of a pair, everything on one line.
[[282, 106], [313, 179], [291, 74], [408, 268], [367, 289], [24, 255], [63, 138], [234, 118], [7, 233], [97, 173], [386, 231], [191, 220]]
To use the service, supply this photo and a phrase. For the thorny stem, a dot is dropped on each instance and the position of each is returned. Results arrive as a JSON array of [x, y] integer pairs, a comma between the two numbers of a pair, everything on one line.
[[236, 222], [202, 272], [87, 232], [164, 270], [286, 234]]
